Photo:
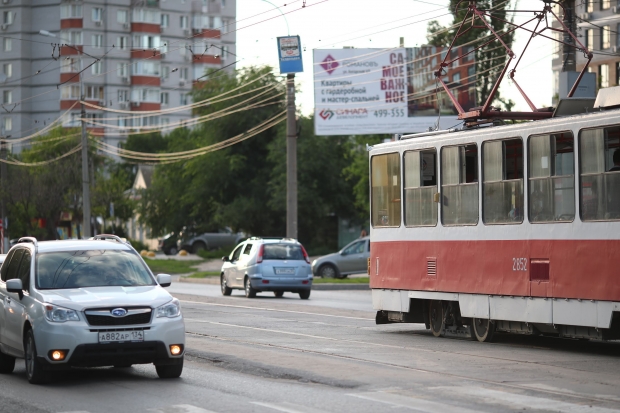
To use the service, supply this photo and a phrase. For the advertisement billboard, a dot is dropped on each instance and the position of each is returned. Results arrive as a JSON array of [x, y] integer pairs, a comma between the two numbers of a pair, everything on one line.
[[368, 91]]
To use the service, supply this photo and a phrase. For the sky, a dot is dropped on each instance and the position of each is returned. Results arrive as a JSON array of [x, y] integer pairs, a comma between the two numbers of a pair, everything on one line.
[[327, 24]]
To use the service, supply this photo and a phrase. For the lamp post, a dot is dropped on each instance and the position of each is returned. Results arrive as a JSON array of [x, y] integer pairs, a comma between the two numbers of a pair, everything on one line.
[[85, 173]]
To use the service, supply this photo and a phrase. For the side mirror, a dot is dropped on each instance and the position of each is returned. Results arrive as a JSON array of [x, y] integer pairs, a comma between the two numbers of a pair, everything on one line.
[[164, 280], [15, 286], [225, 258]]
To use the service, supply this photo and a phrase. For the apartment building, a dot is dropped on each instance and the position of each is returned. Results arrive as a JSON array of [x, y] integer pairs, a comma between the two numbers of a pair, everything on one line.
[[139, 55], [598, 28]]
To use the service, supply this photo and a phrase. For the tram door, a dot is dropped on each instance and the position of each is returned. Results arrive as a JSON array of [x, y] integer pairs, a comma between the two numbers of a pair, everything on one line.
[[539, 278]]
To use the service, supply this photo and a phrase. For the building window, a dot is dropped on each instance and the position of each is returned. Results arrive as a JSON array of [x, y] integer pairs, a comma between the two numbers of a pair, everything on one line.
[[551, 177], [123, 95], [96, 68], [385, 190], [224, 52], [7, 96], [164, 98], [145, 95], [122, 42], [599, 169], [97, 14], [605, 4], [459, 185], [122, 16], [502, 198], [184, 22], [146, 68], [589, 35], [165, 72], [7, 69], [605, 37], [146, 16], [590, 6], [122, 69], [69, 65], [72, 38], [420, 188], [165, 20], [603, 75], [7, 124], [70, 92], [7, 45], [97, 40], [146, 42], [94, 92], [70, 11], [164, 47], [183, 73], [7, 17], [617, 73]]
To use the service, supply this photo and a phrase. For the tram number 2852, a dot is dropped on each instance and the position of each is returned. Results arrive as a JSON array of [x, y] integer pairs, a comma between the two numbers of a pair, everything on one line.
[[519, 264]]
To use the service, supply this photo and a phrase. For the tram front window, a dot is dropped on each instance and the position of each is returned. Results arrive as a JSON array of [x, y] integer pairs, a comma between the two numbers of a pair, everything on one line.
[[600, 178], [385, 190], [502, 201], [551, 178], [420, 188]]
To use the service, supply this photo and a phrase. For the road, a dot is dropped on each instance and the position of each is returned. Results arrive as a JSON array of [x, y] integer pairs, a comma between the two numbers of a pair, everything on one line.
[[327, 355]]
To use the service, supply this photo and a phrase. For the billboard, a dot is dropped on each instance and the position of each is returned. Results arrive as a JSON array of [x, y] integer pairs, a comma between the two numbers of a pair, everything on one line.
[[367, 91]]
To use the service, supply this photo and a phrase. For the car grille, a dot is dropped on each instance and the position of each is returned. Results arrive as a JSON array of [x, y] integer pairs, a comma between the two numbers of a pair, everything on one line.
[[103, 317]]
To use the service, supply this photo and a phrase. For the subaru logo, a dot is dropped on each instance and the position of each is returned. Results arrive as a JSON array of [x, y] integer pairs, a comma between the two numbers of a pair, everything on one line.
[[119, 312]]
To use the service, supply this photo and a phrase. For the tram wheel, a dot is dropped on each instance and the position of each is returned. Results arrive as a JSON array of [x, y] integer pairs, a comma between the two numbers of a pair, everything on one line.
[[482, 329], [436, 318]]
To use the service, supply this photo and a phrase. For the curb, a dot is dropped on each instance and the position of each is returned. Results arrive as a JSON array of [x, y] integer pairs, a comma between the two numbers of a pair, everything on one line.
[[318, 287]]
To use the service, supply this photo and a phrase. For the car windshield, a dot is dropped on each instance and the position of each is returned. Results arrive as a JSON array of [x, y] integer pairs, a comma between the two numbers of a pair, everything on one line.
[[91, 268], [282, 252]]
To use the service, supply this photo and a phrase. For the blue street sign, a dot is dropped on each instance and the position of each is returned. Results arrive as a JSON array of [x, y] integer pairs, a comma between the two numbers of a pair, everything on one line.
[[289, 51]]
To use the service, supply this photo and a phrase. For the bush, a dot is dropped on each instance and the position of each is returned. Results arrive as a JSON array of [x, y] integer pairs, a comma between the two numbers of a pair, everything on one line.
[[137, 245], [213, 254], [117, 230]]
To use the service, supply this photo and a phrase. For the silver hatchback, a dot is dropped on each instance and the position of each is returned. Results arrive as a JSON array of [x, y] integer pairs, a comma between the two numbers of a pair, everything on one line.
[[352, 259], [258, 265]]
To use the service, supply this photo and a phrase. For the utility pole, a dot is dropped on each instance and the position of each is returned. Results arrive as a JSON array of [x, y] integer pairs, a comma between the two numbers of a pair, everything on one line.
[[291, 158], [569, 56], [3, 182], [85, 169]]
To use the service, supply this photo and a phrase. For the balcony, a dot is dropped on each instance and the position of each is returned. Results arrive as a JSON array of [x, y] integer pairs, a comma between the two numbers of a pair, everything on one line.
[[207, 33], [71, 23], [71, 50]]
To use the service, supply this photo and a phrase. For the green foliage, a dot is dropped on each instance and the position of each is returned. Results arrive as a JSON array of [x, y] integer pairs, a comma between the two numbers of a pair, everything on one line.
[[214, 254], [491, 58], [172, 266], [138, 245]]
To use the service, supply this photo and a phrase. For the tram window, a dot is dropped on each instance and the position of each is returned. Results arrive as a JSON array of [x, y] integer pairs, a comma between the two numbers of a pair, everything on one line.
[[600, 175], [551, 177], [385, 194], [420, 188], [459, 185], [502, 163]]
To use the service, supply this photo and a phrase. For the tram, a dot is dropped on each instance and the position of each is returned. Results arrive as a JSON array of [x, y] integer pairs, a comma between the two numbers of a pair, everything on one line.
[[512, 228]]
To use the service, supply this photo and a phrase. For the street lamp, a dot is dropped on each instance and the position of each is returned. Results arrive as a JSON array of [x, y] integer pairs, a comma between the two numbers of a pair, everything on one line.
[[85, 173]]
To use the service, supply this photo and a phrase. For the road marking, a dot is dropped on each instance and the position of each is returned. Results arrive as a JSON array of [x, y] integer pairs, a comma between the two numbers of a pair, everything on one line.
[[180, 408], [421, 405], [563, 392], [289, 407], [530, 402], [276, 310]]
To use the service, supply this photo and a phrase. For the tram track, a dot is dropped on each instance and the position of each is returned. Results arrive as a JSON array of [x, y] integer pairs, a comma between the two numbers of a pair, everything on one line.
[[554, 392]]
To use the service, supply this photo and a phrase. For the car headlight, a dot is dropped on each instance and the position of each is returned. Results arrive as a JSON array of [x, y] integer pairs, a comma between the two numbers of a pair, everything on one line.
[[171, 309], [57, 314]]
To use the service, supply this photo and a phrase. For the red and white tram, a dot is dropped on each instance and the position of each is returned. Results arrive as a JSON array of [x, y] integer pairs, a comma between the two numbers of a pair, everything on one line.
[[508, 228]]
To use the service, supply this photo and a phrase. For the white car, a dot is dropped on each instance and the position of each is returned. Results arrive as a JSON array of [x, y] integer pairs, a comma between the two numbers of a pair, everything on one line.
[[86, 303]]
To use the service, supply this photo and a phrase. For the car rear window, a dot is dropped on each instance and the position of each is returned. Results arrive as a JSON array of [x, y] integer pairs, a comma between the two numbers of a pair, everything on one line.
[[282, 252], [91, 268]]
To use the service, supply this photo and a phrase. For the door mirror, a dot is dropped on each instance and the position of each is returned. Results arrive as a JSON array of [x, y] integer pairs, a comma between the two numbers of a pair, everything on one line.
[[225, 258], [15, 286], [164, 280]]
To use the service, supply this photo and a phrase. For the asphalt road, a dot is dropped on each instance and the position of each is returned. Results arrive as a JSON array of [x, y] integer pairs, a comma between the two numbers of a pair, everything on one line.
[[327, 355]]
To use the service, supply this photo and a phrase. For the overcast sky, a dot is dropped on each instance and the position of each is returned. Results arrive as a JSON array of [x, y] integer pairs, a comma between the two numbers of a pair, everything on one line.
[[326, 24]]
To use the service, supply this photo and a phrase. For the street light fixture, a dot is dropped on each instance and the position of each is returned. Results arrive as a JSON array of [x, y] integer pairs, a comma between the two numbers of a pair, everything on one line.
[[85, 172]]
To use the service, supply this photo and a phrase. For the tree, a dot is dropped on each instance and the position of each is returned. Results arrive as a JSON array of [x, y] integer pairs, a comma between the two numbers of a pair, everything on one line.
[[490, 60]]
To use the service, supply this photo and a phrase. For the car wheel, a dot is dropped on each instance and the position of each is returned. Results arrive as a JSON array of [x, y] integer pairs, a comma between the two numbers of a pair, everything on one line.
[[225, 289], [34, 370], [171, 371], [304, 295], [278, 294], [7, 363], [249, 291], [328, 271], [198, 246], [172, 251]]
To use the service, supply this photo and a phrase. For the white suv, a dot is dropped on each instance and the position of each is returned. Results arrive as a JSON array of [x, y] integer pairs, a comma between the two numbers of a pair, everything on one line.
[[86, 303]]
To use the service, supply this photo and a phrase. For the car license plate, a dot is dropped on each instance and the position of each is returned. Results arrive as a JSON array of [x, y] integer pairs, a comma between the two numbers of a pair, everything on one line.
[[120, 336], [285, 271]]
